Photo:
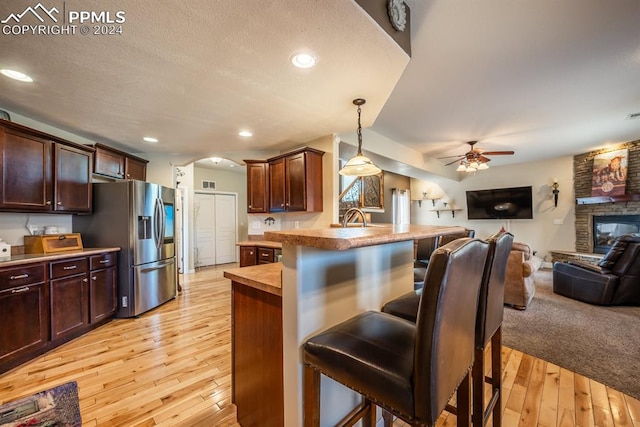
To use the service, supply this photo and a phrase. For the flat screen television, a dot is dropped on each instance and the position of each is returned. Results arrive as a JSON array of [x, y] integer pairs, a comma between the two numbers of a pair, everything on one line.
[[500, 203]]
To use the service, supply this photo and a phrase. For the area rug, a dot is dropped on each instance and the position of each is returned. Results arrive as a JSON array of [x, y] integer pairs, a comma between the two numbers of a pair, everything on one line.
[[56, 407], [599, 342]]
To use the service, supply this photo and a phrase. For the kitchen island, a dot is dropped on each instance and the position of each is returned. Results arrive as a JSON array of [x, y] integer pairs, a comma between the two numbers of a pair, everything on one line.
[[328, 275]]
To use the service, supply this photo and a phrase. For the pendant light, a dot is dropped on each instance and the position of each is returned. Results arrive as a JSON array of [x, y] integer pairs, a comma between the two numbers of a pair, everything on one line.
[[359, 165]]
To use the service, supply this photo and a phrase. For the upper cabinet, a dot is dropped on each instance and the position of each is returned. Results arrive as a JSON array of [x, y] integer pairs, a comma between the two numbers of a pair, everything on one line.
[[296, 181], [290, 182], [257, 186], [118, 164], [43, 173]]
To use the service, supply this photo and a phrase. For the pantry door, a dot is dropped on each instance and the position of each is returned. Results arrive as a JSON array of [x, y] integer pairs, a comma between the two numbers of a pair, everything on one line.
[[215, 229]]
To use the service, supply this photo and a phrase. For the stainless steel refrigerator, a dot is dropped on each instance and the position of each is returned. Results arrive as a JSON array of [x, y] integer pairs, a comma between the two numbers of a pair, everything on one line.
[[138, 217]]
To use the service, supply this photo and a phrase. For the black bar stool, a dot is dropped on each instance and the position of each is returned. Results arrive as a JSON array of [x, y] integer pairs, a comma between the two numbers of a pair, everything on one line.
[[488, 328], [409, 369]]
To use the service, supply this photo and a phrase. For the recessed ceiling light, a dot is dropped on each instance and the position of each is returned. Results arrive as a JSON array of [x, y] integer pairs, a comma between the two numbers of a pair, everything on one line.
[[16, 75], [150, 139], [303, 60], [245, 133]]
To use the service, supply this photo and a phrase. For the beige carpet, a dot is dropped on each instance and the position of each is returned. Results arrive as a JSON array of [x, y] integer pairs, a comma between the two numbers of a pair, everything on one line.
[[602, 343]]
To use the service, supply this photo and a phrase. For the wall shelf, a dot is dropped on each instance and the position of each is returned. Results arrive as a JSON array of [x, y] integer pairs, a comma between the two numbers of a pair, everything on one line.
[[452, 210], [425, 197], [607, 199]]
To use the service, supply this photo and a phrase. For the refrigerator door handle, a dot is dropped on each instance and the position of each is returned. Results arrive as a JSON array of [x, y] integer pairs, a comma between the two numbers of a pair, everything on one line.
[[158, 266], [157, 217], [163, 223]]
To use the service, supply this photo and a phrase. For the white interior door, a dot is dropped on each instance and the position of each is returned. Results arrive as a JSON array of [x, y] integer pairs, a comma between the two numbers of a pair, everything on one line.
[[205, 247], [225, 228], [215, 229]]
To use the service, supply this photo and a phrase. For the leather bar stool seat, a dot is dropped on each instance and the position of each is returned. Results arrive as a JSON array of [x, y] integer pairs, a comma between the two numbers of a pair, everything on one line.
[[409, 369], [488, 326]]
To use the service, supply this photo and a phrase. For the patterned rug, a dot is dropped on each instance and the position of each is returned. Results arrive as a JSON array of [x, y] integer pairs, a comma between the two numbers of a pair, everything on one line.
[[56, 407]]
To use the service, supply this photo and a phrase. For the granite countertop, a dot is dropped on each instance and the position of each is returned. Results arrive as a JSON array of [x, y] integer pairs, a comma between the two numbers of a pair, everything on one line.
[[261, 243], [28, 258], [264, 277], [348, 238]]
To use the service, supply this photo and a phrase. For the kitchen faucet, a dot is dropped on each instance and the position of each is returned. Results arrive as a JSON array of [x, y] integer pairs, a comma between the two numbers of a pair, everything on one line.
[[350, 214]]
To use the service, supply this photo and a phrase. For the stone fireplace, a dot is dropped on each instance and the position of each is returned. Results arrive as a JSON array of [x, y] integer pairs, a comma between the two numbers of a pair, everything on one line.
[[588, 214]]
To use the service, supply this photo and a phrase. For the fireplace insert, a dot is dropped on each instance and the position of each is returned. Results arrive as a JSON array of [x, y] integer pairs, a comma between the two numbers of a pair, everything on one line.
[[606, 228]]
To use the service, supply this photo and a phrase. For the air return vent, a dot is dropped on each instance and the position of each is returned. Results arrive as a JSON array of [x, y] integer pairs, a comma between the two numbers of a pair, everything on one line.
[[208, 185]]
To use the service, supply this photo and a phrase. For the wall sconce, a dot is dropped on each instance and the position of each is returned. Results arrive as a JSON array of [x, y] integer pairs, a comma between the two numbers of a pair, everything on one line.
[[555, 191]]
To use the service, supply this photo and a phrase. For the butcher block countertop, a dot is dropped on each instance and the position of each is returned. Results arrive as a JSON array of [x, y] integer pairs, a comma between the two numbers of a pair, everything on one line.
[[348, 238], [29, 258], [264, 277]]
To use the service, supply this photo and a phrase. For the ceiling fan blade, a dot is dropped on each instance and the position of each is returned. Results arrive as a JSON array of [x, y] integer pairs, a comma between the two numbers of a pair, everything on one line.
[[496, 153], [451, 157], [483, 159], [455, 161]]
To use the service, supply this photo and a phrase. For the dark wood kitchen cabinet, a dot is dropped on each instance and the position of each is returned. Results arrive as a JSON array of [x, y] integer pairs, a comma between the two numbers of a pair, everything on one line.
[[102, 286], [257, 186], [248, 256], [296, 181], [42, 173], [69, 287], [24, 304], [45, 304], [117, 164]]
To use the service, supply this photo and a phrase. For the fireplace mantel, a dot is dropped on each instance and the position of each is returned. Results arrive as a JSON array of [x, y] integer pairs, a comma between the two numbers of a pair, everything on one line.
[[608, 199]]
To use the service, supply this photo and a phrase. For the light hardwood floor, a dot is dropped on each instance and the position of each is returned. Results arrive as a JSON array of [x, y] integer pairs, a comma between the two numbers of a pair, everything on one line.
[[172, 366]]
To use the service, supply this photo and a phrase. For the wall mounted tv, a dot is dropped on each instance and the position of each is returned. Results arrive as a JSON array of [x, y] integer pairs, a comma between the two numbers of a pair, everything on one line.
[[500, 203]]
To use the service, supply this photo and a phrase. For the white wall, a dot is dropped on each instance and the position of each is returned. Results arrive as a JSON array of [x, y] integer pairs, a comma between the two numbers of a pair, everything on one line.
[[540, 232]]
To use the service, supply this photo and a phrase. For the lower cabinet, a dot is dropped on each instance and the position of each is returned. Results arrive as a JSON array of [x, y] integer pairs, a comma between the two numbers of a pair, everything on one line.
[[24, 304], [247, 256], [48, 303], [255, 255]]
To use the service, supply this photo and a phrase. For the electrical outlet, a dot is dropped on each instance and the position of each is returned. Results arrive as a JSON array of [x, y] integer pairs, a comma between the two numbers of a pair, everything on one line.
[[256, 225], [296, 224], [558, 221]]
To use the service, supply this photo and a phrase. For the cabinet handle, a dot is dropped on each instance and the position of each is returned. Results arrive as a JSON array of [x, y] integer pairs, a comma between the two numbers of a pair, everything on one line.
[[85, 280], [59, 203], [19, 276], [104, 261], [265, 255], [282, 205], [250, 206], [94, 278], [17, 291], [70, 267], [287, 204], [48, 202], [251, 253]]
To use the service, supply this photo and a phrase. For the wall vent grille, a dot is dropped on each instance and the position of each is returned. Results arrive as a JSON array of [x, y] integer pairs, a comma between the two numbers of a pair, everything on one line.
[[208, 185]]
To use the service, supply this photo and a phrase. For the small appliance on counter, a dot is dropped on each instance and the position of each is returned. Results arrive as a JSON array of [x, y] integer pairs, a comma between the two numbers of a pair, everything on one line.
[[52, 243]]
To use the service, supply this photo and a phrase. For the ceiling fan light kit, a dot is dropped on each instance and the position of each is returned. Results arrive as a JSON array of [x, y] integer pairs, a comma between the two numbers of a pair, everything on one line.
[[474, 159]]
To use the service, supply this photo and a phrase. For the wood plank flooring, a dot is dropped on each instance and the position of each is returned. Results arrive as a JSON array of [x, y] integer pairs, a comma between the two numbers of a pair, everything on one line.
[[172, 367]]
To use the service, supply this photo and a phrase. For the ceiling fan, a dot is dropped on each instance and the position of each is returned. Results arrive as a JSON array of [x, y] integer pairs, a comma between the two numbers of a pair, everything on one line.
[[474, 159]]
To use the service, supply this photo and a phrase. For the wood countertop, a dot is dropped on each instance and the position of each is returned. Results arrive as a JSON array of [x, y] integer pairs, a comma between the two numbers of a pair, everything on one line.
[[348, 238], [29, 258], [264, 277]]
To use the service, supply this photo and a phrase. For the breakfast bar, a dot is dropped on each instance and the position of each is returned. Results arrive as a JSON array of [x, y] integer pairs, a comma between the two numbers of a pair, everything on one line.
[[328, 275]]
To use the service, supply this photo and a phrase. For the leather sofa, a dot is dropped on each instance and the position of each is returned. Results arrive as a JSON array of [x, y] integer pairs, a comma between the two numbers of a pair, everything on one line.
[[614, 281], [519, 286]]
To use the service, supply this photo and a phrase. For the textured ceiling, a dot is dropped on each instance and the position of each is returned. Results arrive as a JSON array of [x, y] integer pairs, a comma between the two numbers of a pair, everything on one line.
[[543, 78]]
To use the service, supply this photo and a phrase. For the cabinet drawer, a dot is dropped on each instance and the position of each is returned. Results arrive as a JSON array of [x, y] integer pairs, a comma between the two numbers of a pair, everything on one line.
[[265, 255], [98, 262], [21, 275], [69, 267]]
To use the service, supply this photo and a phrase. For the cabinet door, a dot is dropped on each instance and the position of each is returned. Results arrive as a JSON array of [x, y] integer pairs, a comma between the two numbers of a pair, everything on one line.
[[69, 306], [72, 179], [135, 169], [24, 304], [247, 256], [277, 195], [295, 183], [257, 187], [25, 165], [108, 163], [102, 293]]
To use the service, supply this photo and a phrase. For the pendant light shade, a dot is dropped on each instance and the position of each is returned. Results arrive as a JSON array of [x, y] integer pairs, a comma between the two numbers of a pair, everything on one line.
[[359, 165]]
